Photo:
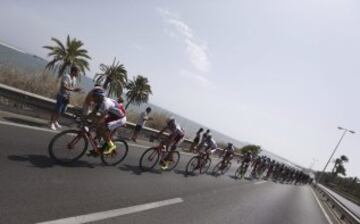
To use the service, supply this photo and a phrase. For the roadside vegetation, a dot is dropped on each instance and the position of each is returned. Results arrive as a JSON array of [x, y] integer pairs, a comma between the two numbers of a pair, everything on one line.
[[349, 187]]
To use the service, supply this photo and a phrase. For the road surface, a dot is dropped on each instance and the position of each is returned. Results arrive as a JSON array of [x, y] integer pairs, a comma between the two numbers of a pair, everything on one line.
[[33, 189]]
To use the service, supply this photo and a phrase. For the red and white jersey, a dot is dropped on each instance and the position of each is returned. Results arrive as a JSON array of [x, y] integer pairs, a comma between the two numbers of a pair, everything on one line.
[[112, 107]]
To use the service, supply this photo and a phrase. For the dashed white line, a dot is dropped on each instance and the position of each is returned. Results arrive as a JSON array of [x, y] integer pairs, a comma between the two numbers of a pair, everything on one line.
[[26, 126], [322, 208], [113, 213]]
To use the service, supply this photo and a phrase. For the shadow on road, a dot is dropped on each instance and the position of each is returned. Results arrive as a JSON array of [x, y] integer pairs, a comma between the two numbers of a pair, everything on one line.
[[42, 161], [184, 173], [136, 170]]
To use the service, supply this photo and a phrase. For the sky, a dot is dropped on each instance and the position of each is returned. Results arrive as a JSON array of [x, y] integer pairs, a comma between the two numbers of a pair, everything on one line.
[[283, 74]]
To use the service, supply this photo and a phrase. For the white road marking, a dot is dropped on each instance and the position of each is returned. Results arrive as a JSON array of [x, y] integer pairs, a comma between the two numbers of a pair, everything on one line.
[[113, 213], [322, 208], [26, 126], [260, 182]]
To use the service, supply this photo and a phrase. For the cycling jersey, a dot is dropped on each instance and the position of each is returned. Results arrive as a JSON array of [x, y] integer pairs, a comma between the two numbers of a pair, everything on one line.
[[211, 144], [229, 151], [113, 108], [115, 111], [175, 128]]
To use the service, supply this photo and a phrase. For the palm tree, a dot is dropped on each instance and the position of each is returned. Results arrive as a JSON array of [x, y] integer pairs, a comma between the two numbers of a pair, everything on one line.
[[113, 78], [340, 169], [139, 90], [254, 149], [63, 57], [339, 165]]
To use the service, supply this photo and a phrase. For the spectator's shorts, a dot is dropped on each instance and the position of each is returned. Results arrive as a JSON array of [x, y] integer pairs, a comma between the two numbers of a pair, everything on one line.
[[61, 104], [196, 140], [138, 128]]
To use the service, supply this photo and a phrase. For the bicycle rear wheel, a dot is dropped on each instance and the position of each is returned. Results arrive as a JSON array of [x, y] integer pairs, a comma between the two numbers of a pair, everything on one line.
[[68, 146], [117, 155], [175, 161], [204, 168], [149, 159], [193, 165]]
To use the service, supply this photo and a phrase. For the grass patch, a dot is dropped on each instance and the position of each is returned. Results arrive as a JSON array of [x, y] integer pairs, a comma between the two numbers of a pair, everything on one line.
[[42, 83]]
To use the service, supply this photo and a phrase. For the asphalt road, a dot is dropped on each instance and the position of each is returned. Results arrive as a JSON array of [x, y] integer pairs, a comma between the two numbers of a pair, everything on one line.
[[33, 189]]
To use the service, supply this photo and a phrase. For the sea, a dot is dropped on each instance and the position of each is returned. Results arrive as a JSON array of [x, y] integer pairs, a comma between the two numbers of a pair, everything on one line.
[[11, 56]]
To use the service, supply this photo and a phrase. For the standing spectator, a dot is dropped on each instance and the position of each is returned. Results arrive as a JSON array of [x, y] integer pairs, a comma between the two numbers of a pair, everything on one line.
[[68, 84], [196, 140], [144, 116]]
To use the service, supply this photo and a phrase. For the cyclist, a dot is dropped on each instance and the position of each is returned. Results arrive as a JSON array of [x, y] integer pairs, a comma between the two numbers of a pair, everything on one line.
[[245, 161], [227, 154], [203, 139], [176, 136], [89, 101], [210, 145], [196, 140], [112, 116], [270, 169]]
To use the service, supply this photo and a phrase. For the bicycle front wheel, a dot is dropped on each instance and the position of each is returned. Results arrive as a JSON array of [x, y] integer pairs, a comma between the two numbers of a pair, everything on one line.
[[149, 159], [217, 169], [68, 146], [238, 173], [228, 165], [193, 165], [117, 155]]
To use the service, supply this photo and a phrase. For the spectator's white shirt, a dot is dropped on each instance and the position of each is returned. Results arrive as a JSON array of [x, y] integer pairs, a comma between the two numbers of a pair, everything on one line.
[[69, 82], [142, 119]]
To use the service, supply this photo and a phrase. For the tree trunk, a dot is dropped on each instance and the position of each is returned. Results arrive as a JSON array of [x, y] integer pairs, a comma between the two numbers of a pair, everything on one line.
[[62, 70], [128, 103]]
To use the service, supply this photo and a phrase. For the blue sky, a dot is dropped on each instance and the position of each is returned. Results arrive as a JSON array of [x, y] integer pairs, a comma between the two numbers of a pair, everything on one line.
[[282, 74]]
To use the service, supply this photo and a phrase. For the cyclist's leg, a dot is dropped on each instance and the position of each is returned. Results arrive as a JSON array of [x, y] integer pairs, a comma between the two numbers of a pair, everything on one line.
[[178, 138], [109, 127]]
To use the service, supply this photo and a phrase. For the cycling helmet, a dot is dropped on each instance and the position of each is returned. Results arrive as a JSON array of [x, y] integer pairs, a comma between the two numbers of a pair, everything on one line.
[[230, 144], [99, 92]]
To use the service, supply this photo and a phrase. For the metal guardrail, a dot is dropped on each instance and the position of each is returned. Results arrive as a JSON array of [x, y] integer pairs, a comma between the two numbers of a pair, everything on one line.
[[47, 104], [342, 214]]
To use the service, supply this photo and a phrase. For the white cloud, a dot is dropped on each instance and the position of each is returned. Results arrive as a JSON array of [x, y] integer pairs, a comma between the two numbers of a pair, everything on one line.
[[196, 49], [196, 77]]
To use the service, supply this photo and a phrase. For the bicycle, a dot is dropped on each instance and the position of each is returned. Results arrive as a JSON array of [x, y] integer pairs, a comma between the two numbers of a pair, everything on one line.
[[221, 168], [241, 170], [200, 162], [154, 155], [70, 145]]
